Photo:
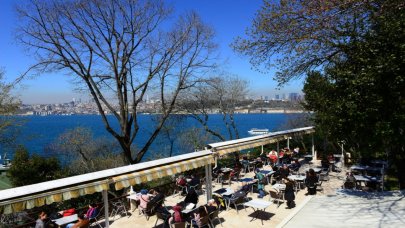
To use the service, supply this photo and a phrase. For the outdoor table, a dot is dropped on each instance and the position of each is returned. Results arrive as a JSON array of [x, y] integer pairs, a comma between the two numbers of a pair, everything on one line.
[[65, 220], [316, 170], [358, 167], [133, 198], [298, 178], [226, 170], [259, 206], [280, 187], [364, 178], [246, 179], [308, 158], [225, 191], [267, 174]]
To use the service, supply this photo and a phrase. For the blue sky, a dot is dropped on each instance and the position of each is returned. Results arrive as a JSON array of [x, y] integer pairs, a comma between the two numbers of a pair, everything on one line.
[[229, 18]]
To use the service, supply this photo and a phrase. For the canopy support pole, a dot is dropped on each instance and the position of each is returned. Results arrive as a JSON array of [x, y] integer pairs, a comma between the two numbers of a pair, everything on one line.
[[278, 147], [106, 216], [313, 148], [342, 159], [208, 181]]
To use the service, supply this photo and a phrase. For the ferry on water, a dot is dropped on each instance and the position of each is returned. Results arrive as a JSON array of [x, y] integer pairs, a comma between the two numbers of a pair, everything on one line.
[[257, 131], [4, 164]]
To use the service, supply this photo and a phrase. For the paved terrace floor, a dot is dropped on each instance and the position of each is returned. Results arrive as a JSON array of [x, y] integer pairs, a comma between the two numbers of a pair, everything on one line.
[[326, 209]]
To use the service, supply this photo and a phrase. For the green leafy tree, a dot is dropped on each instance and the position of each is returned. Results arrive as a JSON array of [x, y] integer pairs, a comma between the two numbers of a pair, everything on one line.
[[360, 99], [26, 169], [295, 36]]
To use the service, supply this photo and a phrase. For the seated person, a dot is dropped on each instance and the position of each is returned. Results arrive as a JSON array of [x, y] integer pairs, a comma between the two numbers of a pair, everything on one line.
[[331, 158], [156, 197], [260, 185], [245, 164], [82, 223], [92, 211], [40, 222], [296, 151], [263, 156], [236, 170], [191, 197], [295, 166], [281, 156], [219, 199], [177, 215], [194, 181], [350, 182], [196, 221], [273, 157], [68, 212], [311, 181], [283, 172], [144, 198], [211, 206], [181, 181]]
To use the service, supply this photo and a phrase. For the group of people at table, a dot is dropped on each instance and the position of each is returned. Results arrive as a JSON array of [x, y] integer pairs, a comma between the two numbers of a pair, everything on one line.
[[184, 211], [82, 220]]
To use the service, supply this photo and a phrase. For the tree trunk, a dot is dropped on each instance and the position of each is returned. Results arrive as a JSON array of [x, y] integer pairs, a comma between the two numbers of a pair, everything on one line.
[[400, 172]]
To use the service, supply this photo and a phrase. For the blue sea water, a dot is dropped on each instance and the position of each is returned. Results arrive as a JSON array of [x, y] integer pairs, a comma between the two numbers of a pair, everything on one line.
[[40, 131]]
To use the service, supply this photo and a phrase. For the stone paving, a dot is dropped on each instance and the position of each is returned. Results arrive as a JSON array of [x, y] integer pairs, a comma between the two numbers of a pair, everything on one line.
[[273, 216]]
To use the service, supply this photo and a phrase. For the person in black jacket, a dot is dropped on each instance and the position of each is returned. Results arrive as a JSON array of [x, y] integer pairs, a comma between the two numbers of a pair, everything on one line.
[[157, 197], [311, 181], [191, 197], [289, 193]]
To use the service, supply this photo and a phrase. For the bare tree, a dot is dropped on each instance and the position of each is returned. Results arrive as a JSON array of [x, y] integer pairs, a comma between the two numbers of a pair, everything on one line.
[[296, 36], [220, 94], [8, 105], [83, 153], [119, 50], [171, 130]]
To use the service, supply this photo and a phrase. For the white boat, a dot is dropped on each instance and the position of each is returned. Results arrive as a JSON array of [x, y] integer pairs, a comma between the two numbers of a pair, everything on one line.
[[4, 164], [257, 131]]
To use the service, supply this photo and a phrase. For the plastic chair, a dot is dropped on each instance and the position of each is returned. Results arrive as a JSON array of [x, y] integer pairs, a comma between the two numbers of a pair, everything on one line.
[[213, 216], [237, 199], [160, 216], [204, 222]]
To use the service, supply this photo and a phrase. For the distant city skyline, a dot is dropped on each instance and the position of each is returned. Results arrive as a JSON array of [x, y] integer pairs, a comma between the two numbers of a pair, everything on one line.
[[229, 18]]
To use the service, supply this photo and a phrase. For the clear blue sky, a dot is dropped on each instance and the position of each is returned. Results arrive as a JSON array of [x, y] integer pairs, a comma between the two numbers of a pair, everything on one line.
[[229, 18]]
